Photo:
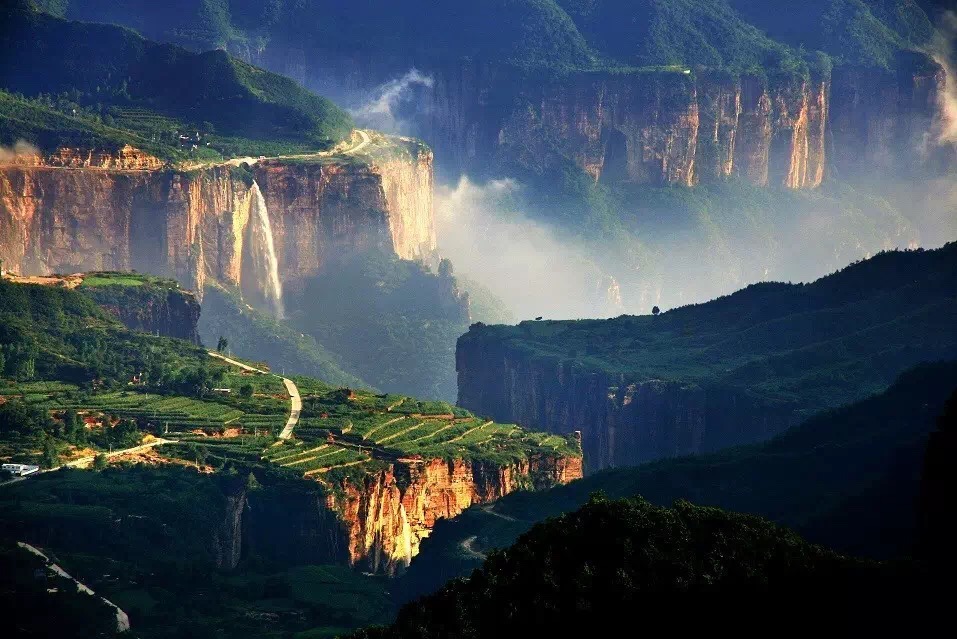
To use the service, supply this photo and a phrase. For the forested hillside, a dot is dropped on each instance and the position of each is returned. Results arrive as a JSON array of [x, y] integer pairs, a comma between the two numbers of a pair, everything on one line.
[[105, 85]]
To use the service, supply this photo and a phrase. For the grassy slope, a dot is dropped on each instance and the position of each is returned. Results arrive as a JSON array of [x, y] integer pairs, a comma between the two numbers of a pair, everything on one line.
[[866, 32], [846, 478], [111, 74], [367, 429], [832, 341], [148, 538]]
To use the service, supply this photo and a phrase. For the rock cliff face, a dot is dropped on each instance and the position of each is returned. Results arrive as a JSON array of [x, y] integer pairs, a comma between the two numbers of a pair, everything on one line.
[[659, 127], [881, 120], [196, 224], [158, 310], [378, 523], [646, 128], [388, 516], [622, 421]]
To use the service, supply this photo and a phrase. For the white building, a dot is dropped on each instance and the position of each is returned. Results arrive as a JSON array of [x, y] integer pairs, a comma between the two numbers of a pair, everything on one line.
[[20, 469]]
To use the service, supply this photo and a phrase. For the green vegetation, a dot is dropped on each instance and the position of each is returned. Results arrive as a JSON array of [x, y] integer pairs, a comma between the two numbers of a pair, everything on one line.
[[847, 478], [393, 322], [864, 32], [259, 336], [117, 88], [49, 125], [743, 35], [125, 278], [51, 333], [356, 431], [63, 356], [822, 344], [612, 561]]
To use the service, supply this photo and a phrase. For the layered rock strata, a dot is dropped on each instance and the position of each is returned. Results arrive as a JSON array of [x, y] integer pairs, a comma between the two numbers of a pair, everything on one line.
[[195, 224]]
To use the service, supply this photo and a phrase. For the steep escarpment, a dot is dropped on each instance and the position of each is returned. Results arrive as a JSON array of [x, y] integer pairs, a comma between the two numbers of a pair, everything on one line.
[[387, 515], [881, 120], [646, 127], [194, 224], [147, 305], [373, 521], [738, 369], [679, 126], [624, 419]]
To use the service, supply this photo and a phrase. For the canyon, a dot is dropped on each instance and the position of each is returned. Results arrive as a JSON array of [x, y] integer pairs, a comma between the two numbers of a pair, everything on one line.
[[82, 211]]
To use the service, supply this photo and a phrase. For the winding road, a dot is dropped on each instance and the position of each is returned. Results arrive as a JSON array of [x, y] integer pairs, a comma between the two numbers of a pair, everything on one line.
[[364, 141], [467, 546], [84, 462], [295, 400]]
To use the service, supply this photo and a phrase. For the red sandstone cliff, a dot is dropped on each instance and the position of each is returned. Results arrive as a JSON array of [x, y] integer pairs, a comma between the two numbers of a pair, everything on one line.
[[377, 522], [194, 224], [386, 516]]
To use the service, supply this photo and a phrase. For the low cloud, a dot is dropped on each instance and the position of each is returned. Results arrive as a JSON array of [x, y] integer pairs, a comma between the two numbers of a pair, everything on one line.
[[527, 264], [381, 112]]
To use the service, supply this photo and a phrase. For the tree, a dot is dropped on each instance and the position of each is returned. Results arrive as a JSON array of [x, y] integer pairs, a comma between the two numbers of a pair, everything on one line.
[[655, 311], [222, 344], [445, 268], [100, 462], [246, 390], [71, 425], [50, 457]]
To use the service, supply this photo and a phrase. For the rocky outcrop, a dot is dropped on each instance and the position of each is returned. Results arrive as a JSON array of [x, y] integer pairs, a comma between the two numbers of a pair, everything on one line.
[[623, 421], [126, 158], [881, 120], [154, 309], [191, 225], [648, 128], [387, 516], [377, 522]]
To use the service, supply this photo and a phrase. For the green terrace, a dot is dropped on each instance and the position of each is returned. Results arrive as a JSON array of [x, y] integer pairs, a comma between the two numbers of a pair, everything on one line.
[[344, 429], [126, 278], [265, 411]]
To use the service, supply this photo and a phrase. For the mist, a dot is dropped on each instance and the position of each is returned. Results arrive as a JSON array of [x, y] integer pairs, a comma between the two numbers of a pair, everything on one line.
[[529, 265], [381, 111]]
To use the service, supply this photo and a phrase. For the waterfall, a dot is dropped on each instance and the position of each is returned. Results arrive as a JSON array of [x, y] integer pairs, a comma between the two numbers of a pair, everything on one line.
[[263, 251]]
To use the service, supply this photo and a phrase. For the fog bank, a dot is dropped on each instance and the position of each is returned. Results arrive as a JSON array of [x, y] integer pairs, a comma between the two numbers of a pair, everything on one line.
[[527, 264]]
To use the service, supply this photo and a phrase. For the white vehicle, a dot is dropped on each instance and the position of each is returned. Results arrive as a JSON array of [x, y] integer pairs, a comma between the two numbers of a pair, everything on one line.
[[21, 470]]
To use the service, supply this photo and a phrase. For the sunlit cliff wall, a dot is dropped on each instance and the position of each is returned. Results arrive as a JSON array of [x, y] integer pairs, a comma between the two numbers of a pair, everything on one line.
[[194, 224], [378, 522]]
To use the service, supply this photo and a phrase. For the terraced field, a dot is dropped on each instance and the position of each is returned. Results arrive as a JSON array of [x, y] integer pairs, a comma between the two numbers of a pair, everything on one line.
[[341, 428], [173, 413]]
